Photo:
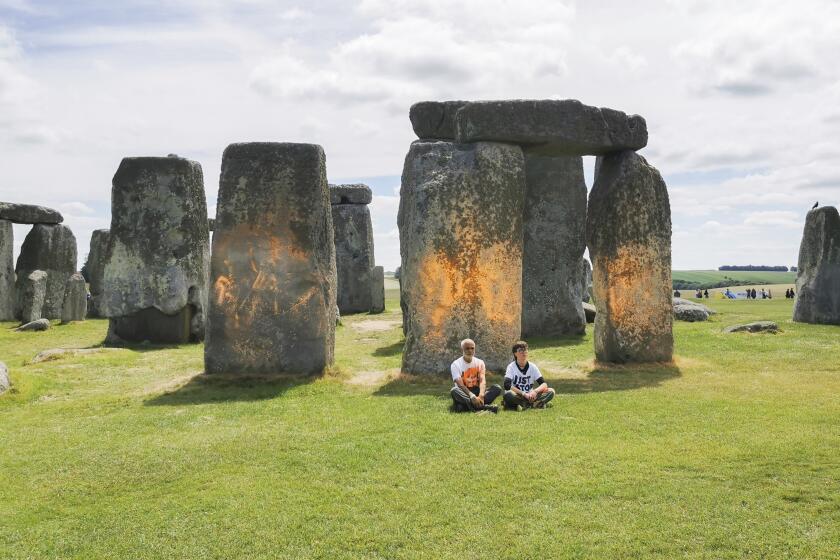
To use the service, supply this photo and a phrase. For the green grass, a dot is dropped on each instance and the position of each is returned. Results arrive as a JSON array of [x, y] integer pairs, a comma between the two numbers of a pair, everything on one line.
[[731, 452], [710, 278]]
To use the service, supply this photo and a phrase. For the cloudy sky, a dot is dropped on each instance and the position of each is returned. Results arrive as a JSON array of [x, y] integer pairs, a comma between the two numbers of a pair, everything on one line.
[[742, 99]]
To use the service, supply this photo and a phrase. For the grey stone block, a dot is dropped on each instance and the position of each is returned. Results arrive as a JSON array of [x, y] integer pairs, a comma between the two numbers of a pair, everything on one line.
[[7, 271], [586, 279], [75, 299], [549, 126], [629, 238], [353, 235], [96, 270], [273, 279], [29, 214], [755, 327], [51, 248], [39, 325], [460, 222], [5, 383], [434, 120], [818, 270], [350, 194], [377, 289], [31, 291], [158, 252], [554, 241]]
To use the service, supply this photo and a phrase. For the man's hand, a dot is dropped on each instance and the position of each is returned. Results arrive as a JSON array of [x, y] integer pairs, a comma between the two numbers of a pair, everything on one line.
[[480, 400], [531, 396]]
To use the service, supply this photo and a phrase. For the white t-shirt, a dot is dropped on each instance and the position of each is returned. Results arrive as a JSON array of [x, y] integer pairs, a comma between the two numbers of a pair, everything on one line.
[[524, 381], [469, 372]]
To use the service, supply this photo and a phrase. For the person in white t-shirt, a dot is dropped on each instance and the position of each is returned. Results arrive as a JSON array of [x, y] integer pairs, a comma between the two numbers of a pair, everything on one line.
[[470, 391], [524, 384]]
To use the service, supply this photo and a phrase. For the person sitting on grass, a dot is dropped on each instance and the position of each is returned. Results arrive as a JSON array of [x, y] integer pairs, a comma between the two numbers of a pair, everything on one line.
[[470, 391], [524, 384]]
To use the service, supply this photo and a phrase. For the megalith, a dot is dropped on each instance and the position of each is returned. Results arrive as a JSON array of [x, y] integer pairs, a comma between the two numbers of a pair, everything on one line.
[[29, 214], [586, 279], [75, 299], [354, 257], [7, 272], [95, 268], [52, 249], [554, 241], [157, 258], [460, 223], [551, 126], [629, 238], [31, 291], [434, 120], [273, 280], [377, 289], [818, 269]]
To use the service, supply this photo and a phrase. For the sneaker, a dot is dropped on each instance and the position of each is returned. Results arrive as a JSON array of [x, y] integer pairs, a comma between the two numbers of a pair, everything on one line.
[[519, 408], [492, 408]]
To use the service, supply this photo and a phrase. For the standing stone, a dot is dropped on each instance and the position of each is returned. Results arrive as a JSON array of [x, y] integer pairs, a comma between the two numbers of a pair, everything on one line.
[[554, 241], [96, 270], [586, 280], [75, 299], [818, 276], [460, 223], [51, 248], [629, 236], [29, 214], [353, 246], [550, 126], [273, 279], [7, 272], [31, 291], [377, 289], [5, 383], [155, 276]]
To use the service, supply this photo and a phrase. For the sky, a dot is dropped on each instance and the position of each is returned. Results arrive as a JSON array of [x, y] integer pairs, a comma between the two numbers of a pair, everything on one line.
[[741, 99]]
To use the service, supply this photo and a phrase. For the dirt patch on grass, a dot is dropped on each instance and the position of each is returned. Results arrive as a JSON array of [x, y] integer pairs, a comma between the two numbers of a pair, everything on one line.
[[58, 353], [375, 325]]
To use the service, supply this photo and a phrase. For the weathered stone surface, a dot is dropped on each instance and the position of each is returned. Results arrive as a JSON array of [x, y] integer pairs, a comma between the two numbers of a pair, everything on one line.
[[460, 223], [682, 301], [434, 120], [95, 267], [58, 353], [29, 214], [585, 280], [51, 248], [397, 274], [7, 272], [5, 383], [211, 223], [39, 325], [75, 299], [350, 194], [353, 236], [273, 279], [818, 276], [151, 324], [629, 237], [685, 310], [757, 326], [377, 289], [555, 127], [590, 312], [554, 241], [31, 291], [158, 252]]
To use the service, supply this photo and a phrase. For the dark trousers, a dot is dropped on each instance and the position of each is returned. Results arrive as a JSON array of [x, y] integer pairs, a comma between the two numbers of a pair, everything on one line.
[[463, 398], [512, 399]]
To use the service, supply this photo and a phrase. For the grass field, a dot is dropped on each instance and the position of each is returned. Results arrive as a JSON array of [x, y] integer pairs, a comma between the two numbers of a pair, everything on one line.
[[732, 277], [732, 451]]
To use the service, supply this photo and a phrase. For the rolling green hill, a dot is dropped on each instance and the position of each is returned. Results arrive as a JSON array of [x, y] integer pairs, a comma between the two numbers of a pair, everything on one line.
[[694, 279]]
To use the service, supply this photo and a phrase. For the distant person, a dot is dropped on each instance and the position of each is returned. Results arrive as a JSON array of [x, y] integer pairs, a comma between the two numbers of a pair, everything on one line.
[[706, 293], [753, 293], [763, 294], [676, 293], [470, 392], [792, 294], [769, 295], [787, 293], [524, 384]]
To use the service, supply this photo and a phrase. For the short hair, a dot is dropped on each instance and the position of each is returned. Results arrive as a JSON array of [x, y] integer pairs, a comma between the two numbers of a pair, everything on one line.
[[465, 341], [519, 344]]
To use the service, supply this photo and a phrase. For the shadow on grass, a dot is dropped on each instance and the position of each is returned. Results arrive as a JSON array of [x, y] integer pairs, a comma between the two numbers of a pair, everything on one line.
[[390, 350], [204, 388], [538, 343], [604, 377], [610, 377]]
